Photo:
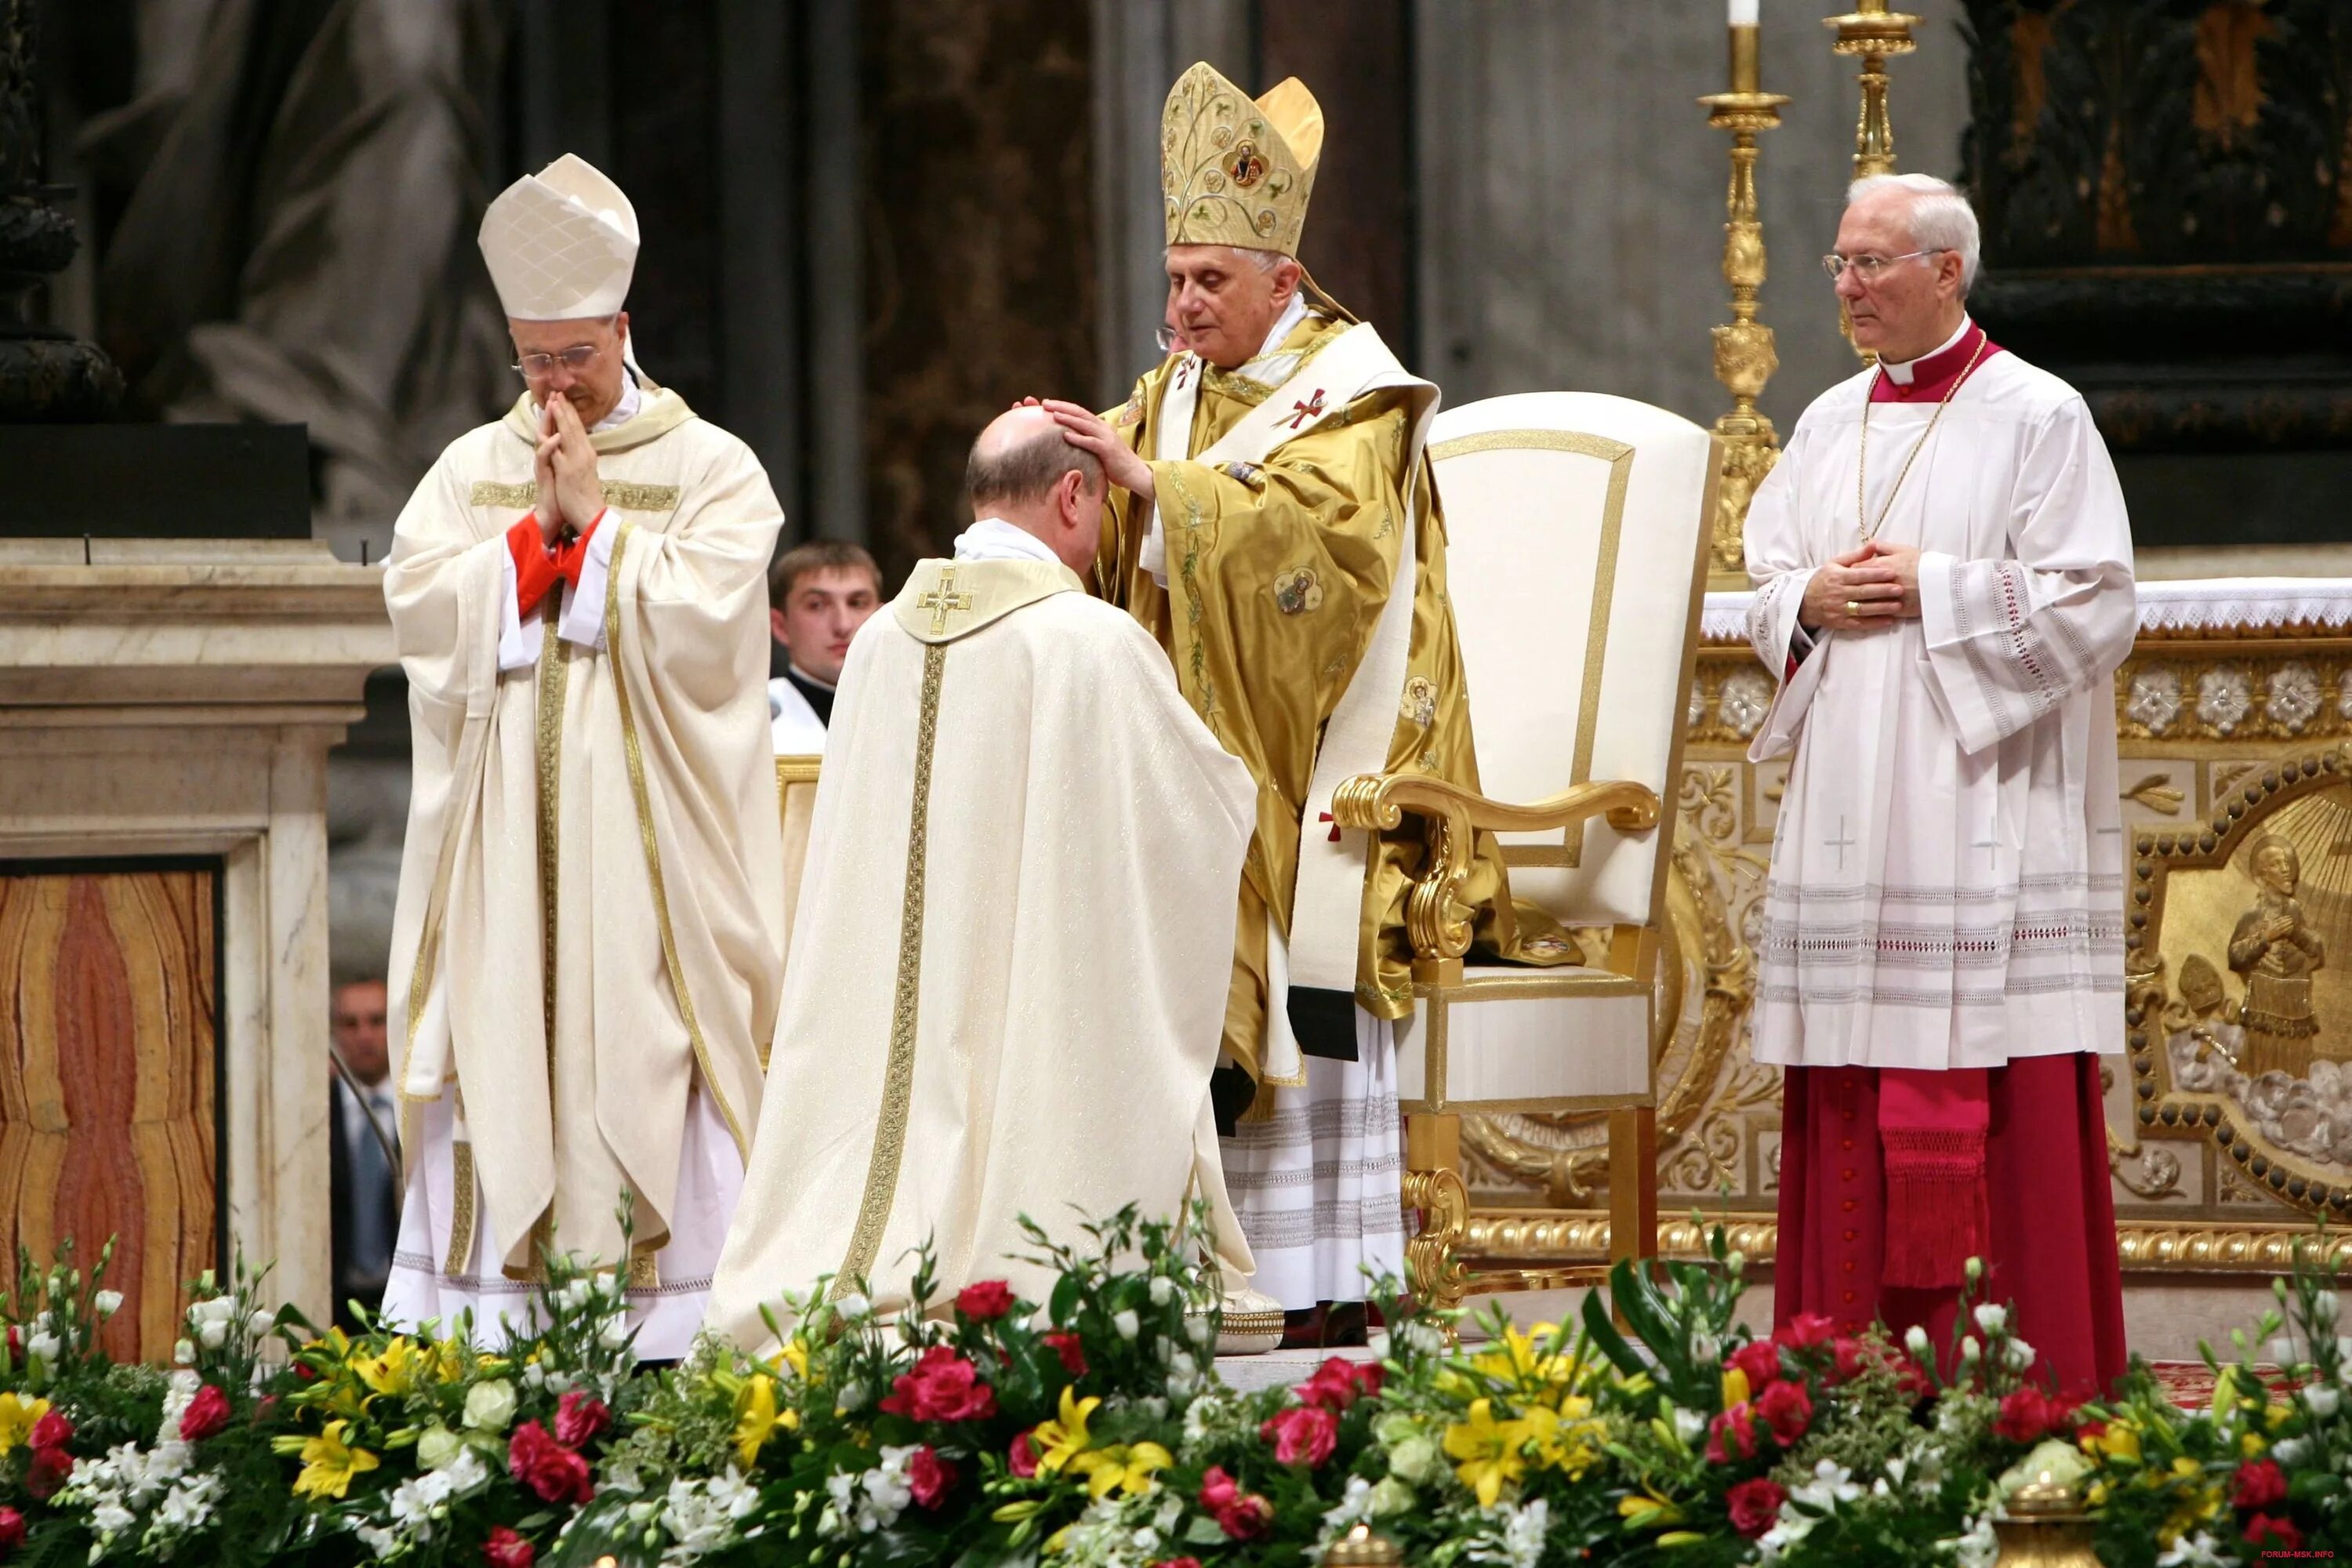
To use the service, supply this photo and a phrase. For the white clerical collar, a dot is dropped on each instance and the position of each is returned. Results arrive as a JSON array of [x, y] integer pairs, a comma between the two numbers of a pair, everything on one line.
[[632, 400], [804, 677], [1900, 372], [993, 538], [1270, 365]]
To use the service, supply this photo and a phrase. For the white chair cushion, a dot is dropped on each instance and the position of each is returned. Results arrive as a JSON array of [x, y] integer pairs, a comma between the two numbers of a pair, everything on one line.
[[1527, 1039]]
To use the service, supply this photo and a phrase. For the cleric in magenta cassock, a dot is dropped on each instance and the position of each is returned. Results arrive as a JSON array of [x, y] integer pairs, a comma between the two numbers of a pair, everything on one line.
[[588, 942], [1944, 586]]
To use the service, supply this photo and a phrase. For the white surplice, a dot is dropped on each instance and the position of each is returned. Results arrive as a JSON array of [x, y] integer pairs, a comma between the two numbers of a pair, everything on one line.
[[1946, 879], [1007, 987]]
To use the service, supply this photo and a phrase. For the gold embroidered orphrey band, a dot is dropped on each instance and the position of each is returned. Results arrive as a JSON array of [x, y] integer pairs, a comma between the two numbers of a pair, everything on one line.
[[626, 497], [898, 1074]]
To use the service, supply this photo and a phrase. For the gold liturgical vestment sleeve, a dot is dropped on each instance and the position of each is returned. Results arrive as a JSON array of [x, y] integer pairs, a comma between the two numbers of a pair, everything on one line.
[[1276, 575]]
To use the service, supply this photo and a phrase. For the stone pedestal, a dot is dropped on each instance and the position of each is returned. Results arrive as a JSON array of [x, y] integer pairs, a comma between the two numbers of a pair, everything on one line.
[[165, 713]]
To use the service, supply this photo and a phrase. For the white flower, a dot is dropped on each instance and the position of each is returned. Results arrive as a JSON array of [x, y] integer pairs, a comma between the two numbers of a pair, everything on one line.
[[261, 1322], [852, 1305], [1127, 1323], [1706, 1347], [1197, 1331], [2321, 1399], [438, 1447], [490, 1406], [1915, 1339], [1417, 1459], [1164, 1289], [42, 1346], [1970, 1351], [574, 1295], [851, 1398], [1991, 1318], [1521, 1544], [613, 1334], [1832, 1484], [2017, 1354], [1355, 1505], [1422, 1338], [111, 1519], [1391, 1498], [1689, 1425], [106, 1303], [183, 1352], [213, 1335], [381, 1542], [1978, 1547], [2198, 1551], [2290, 1452], [2323, 1309]]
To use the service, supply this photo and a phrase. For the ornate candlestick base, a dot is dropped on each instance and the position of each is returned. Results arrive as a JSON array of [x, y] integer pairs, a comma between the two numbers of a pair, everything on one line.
[[1745, 357]]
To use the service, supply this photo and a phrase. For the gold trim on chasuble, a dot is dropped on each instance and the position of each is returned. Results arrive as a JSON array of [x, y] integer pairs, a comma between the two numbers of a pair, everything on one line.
[[653, 849], [898, 1074], [1569, 852], [625, 496]]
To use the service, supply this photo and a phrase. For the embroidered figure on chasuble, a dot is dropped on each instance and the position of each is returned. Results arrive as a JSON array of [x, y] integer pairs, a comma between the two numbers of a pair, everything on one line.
[[1006, 993], [1281, 538], [586, 941], [1944, 584]]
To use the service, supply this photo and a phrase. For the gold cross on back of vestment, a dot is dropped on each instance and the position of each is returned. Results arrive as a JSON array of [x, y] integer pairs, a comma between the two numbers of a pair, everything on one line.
[[943, 601]]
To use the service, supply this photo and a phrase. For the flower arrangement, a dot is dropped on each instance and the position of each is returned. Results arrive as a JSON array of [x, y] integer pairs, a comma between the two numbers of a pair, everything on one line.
[[1090, 1430]]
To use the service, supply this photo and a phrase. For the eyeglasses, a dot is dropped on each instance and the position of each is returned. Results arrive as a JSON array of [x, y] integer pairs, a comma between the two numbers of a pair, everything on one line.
[[1168, 339], [575, 359], [1866, 269]]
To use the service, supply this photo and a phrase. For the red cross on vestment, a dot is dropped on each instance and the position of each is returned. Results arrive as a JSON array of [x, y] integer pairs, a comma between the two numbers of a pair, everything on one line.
[[1183, 371], [1307, 410]]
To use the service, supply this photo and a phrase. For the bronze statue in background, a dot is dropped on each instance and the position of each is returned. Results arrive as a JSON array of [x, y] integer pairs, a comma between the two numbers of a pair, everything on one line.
[[2275, 949]]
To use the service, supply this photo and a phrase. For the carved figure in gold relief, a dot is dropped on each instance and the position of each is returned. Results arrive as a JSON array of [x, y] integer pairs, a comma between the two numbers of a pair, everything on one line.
[[2275, 949], [2205, 1042]]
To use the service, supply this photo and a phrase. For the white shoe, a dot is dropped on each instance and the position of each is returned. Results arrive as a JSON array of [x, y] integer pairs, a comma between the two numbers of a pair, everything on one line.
[[1253, 1323]]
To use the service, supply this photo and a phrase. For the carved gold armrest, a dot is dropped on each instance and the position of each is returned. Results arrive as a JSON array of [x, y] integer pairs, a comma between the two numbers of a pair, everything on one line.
[[1436, 920]]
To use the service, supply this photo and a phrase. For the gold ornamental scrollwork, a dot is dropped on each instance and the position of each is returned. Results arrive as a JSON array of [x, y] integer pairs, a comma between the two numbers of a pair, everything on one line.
[[2238, 1026]]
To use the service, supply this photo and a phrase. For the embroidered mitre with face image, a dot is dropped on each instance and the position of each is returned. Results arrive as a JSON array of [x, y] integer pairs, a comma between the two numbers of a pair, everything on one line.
[[1237, 170]]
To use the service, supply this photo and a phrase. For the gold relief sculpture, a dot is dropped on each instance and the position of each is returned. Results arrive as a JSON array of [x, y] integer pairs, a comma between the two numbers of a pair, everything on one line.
[[2275, 949]]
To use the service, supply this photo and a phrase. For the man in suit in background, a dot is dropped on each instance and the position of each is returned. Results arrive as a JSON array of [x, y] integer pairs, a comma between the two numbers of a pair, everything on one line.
[[362, 1182]]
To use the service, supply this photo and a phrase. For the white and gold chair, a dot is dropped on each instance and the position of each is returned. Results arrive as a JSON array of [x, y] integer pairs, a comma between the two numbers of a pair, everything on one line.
[[797, 800], [1577, 529]]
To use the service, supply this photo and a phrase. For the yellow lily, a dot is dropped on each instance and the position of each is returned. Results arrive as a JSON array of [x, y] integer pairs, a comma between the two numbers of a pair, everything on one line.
[[1121, 1468], [795, 1356], [1058, 1442], [17, 1416], [393, 1372], [1486, 1451], [2119, 1441], [756, 1418], [329, 1463], [1648, 1512], [1735, 1388], [1564, 1439]]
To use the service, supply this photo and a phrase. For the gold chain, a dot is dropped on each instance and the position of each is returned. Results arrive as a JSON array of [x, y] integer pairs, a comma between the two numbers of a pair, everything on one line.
[[1862, 458]]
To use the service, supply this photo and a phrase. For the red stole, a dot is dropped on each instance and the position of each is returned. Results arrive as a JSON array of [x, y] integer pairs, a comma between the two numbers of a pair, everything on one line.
[[1933, 376], [1932, 1127]]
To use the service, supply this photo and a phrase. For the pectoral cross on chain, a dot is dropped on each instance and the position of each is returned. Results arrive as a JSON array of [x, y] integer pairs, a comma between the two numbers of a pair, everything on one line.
[[1307, 410], [1184, 370], [1841, 843], [943, 600]]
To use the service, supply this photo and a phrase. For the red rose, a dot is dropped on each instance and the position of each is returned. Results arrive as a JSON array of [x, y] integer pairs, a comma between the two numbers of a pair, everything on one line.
[[1177, 1562], [1759, 1360], [1788, 1409], [985, 1302], [1912, 1380], [549, 1470], [1243, 1516], [1805, 1331], [2258, 1485], [2280, 1533], [2026, 1417], [1065, 1345], [1847, 1358], [11, 1525], [930, 1477], [206, 1414], [1755, 1505], [1339, 1383], [943, 1387], [1732, 1435], [51, 1431], [505, 1549], [1302, 1435], [48, 1472], [579, 1418], [1021, 1458]]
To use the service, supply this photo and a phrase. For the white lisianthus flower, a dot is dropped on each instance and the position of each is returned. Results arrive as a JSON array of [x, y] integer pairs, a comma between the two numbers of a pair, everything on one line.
[[1991, 1318], [1127, 1324], [489, 1406], [1971, 1352], [438, 1447], [2018, 1355], [1974, 1270], [615, 1333], [106, 1303], [183, 1352], [261, 1322], [1915, 1339], [853, 1307], [1689, 1425], [1706, 1347], [43, 1347], [2321, 1399], [214, 1334], [2290, 1452], [2323, 1309], [1391, 1497], [1164, 1289]]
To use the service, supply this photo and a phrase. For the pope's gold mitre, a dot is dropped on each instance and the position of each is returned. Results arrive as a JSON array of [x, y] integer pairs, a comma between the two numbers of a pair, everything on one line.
[[1237, 171]]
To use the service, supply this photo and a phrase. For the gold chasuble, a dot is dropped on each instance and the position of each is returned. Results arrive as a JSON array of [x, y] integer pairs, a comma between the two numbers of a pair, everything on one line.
[[1276, 575], [587, 944]]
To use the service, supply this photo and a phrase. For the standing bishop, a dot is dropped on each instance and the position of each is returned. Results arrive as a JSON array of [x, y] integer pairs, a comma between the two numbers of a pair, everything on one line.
[[1944, 584], [1024, 848], [1277, 532], [586, 947]]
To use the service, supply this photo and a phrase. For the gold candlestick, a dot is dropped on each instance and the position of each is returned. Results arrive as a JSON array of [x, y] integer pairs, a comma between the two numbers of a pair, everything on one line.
[[1745, 358], [1873, 32]]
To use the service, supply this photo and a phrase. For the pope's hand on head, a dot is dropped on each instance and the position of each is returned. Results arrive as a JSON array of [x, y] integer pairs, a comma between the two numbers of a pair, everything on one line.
[[1084, 429], [577, 490]]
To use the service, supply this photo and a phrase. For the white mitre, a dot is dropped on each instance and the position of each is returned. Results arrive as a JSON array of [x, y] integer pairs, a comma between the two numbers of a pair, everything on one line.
[[561, 243]]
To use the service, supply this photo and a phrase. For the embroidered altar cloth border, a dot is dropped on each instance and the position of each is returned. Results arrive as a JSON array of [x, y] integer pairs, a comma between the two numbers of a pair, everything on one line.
[[2205, 604]]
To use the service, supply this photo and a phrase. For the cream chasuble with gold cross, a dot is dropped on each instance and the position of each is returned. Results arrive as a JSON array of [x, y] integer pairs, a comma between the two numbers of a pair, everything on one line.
[[586, 948], [1008, 984]]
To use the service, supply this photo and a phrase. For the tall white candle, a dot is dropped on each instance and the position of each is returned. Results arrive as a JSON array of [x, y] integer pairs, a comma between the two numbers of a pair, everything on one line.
[[1743, 13]]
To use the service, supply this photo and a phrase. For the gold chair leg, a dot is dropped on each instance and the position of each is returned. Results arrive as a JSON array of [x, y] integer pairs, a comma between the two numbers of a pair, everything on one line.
[[1632, 1184], [1432, 1184]]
